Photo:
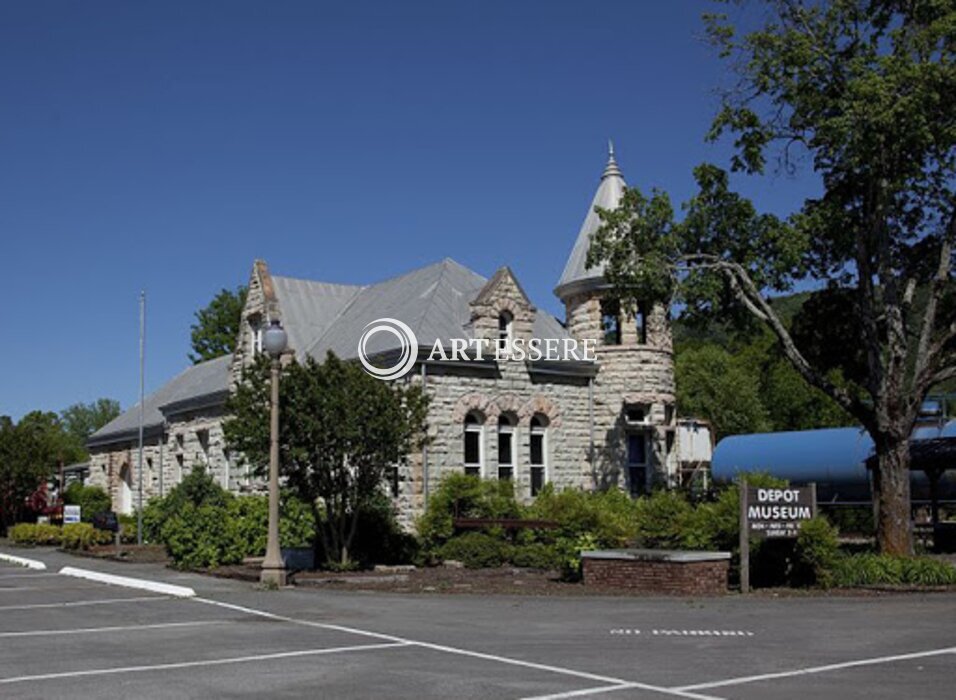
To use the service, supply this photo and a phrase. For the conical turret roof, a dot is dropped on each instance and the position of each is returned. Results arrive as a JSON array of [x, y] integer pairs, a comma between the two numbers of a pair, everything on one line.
[[577, 277]]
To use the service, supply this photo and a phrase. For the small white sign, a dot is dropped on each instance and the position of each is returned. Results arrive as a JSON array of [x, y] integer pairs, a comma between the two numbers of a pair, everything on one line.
[[71, 514]]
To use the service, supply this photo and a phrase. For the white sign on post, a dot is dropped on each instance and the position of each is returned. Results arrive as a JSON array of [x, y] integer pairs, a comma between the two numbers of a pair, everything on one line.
[[71, 514]]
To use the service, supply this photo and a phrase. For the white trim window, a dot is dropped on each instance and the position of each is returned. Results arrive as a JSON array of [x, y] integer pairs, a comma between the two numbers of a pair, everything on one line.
[[473, 444], [506, 447], [538, 447], [255, 338]]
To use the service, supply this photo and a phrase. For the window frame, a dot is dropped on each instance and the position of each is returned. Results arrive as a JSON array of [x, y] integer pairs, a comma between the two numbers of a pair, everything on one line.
[[507, 429], [474, 426], [538, 429]]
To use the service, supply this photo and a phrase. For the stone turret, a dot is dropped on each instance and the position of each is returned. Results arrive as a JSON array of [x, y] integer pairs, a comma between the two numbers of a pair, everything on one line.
[[634, 413]]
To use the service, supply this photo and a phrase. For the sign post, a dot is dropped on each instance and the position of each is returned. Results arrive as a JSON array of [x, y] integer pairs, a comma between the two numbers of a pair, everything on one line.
[[744, 539], [771, 513]]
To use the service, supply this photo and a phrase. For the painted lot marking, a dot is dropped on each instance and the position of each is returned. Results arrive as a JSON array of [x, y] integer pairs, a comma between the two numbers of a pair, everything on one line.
[[80, 603], [128, 582], [121, 628], [819, 669], [633, 631], [22, 561], [195, 664], [11, 589], [614, 683], [29, 575]]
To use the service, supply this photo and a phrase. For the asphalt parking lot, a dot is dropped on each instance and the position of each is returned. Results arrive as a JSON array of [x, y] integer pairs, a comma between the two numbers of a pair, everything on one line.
[[62, 636]]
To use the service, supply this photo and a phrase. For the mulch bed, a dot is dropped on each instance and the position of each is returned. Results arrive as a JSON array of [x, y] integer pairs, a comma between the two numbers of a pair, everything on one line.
[[134, 553]]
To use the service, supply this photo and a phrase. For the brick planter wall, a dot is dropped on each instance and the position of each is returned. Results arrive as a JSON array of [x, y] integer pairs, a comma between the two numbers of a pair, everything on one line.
[[650, 571]]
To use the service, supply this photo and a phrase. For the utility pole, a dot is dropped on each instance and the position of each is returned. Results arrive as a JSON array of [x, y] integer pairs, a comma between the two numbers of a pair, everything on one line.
[[142, 413]]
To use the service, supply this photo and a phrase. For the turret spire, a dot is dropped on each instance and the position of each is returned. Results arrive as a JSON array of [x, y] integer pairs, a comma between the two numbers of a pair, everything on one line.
[[611, 167]]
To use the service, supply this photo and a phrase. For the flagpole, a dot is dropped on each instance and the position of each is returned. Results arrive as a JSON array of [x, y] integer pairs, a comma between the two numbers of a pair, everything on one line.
[[142, 413]]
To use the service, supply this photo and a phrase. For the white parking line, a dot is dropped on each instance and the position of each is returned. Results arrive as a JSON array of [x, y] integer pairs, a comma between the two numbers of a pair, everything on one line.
[[79, 603], [587, 692], [819, 669], [124, 628], [10, 589], [196, 664], [49, 574], [22, 561], [618, 683], [128, 582]]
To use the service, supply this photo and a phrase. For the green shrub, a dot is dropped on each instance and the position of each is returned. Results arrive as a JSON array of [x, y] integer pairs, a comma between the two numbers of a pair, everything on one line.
[[379, 539], [92, 500], [878, 569], [84, 536], [128, 523], [476, 550], [610, 516], [816, 553], [250, 516], [200, 536], [35, 534], [203, 525], [662, 520], [569, 550], [536, 555], [459, 495], [71, 536]]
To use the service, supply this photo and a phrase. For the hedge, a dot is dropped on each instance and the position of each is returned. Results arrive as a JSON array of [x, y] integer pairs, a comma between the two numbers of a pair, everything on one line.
[[72, 536]]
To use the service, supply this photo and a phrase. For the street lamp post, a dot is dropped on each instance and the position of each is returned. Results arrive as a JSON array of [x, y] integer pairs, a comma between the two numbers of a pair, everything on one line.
[[273, 568]]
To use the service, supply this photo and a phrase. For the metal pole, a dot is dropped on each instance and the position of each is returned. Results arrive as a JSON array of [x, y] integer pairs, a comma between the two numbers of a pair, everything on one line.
[[142, 413], [425, 443], [162, 464], [273, 570], [744, 540], [591, 429]]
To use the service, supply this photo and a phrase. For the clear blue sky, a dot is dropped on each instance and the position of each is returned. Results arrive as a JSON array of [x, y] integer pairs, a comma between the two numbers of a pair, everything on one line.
[[165, 145]]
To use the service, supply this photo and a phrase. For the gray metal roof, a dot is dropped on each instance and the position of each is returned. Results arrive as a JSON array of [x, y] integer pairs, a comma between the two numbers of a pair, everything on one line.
[[309, 308], [434, 301], [206, 378], [577, 276]]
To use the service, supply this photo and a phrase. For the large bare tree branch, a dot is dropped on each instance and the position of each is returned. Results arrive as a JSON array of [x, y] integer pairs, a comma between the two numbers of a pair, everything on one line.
[[747, 292], [928, 352]]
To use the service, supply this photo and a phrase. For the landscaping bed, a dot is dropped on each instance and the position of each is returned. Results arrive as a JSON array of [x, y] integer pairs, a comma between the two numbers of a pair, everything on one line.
[[134, 553]]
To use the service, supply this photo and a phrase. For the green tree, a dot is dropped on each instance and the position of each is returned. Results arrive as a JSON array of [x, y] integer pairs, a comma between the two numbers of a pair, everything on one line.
[[713, 384], [29, 453], [83, 419], [340, 429], [217, 326], [866, 89]]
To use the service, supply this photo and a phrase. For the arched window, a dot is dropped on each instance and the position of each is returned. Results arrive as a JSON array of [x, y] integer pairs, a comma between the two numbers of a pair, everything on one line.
[[474, 430], [539, 452], [506, 447], [611, 321], [505, 330]]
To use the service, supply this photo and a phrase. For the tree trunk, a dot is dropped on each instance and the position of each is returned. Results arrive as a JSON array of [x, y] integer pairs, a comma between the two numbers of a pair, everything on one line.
[[891, 481]]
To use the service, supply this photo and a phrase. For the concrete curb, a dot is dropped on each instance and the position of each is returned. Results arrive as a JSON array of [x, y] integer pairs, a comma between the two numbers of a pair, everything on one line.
[[142, 584], [22, 561]]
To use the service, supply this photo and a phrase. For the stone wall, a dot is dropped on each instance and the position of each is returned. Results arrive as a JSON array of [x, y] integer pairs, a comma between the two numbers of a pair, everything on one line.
[[190, 439], [632, 374], [508, 388]]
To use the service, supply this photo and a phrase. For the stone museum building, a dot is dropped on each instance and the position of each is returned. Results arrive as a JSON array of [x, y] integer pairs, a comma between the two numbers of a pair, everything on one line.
[[606, 422]]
